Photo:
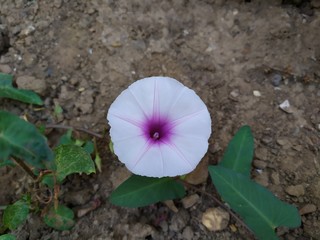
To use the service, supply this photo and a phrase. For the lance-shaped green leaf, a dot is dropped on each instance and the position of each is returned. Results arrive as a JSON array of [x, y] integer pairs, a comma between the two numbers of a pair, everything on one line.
[[8, 91], [61, 218], [15, 214], [7, 237], [138, 191], [72, 159], [239, 153], [22, 140], [256, 205]]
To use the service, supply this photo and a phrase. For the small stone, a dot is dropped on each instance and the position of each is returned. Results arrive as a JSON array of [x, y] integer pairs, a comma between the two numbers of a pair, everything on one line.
[[170, 204], [187, 233], [295, 190], [275, 178], [179, 220], [215, 219], [266, 140], [57, 3], [140, 231], [276, 80], [256, 93], [28, 30], [259, 164], [286, 107], [235, 93], [262, 179], [233, 228], [32, 83], [309, 208], [119, 176], [200, 174], [261, 153], [189, 201], [5, 68]]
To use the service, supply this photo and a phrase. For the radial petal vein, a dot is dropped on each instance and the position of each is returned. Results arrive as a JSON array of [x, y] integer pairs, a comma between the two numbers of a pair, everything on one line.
[[178, 151], [185, 118], [131, 121], [127, 138], [145, 149], [136, 100], [156, 101]]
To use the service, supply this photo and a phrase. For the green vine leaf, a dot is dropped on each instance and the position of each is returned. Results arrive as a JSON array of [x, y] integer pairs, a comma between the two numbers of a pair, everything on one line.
[[258, 207], [61, 218], [71, 159], [8, 91], [239, 153], [15, 214], [7, 237], [138, 191], [22, 140]]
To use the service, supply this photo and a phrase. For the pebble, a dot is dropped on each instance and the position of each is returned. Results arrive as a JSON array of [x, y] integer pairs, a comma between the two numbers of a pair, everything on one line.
[[78, 197], [261, 153], [187, 233], [215, 219], [256, 93], [276, 80], [200, 174], [4, 68], [179, 220], [235, 93], [57, 3], [119, 176], [309, 208], [286, 107], [259, 164], [295, 190], [189, 201], [170, 204], [32, 83], [27, 31], [262, 179], [275, 178]]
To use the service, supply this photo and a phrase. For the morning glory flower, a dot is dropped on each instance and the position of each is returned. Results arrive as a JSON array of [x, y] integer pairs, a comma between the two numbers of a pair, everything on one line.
[[159, 127]]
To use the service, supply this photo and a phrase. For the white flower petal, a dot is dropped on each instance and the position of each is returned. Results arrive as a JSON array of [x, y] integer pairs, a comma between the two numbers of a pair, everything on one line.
[[122, 129], [199, 125], [127, 106], [186, 104], [193, 148], [176, 162], [129, 150], [156, 93]]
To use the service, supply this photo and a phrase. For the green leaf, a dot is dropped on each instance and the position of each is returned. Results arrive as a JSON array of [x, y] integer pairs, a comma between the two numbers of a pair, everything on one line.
[[8, 91], [72, 159], [239, 153], [88, 146], [66, 138], [15, 214], [97, 161], [22, 140], [7, 237], [258, 207], [111, 146], [61, 218], [138, 191]]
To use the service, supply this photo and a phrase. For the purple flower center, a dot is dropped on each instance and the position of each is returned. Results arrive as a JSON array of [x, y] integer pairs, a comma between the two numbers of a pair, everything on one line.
[[157, 130]]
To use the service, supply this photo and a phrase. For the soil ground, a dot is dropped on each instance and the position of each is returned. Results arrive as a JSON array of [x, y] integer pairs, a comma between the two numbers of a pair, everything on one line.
[[243, 58]]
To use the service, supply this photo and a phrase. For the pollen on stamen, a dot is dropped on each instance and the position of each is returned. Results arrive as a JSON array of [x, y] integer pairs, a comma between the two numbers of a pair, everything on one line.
[[156, 136]]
